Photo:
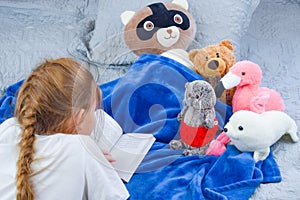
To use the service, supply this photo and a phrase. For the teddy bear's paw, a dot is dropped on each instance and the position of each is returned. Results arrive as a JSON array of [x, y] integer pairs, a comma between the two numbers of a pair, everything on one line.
[[176, 144]]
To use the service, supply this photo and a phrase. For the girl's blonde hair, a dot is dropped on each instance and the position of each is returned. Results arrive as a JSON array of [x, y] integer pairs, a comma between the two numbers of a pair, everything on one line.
[[47, 102]]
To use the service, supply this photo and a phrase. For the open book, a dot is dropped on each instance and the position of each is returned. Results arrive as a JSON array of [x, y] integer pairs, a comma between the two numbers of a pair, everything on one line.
[[127, 149]]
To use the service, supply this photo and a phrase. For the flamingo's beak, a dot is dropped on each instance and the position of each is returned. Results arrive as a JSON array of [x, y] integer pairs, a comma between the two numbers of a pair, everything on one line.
[[229, 81]]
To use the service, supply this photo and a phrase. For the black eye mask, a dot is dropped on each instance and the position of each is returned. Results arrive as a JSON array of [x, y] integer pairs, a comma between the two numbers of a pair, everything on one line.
[[161, 18]]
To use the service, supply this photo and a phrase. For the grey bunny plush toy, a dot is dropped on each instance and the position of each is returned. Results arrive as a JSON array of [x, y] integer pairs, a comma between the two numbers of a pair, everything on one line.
[[198, 119]]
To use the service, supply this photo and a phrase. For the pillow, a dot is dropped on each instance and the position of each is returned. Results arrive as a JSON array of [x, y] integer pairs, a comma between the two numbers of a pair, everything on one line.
[[215, 20], [107, 45]]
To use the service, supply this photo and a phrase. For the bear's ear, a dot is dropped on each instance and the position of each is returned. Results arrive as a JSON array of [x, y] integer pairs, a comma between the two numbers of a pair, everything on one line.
[[192, 54], [227, 44], [127, 16], [183, 3]]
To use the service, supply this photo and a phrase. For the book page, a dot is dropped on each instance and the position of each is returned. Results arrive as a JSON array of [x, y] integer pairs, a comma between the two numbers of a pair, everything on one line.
[[110, 131], [127, 149], [129, 153]]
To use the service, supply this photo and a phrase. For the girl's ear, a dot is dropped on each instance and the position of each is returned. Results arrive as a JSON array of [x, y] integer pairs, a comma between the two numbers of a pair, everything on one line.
[[79, 117]]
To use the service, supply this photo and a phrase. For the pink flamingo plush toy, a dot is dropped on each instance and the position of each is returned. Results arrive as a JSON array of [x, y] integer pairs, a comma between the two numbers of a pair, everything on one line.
[[246, 76]]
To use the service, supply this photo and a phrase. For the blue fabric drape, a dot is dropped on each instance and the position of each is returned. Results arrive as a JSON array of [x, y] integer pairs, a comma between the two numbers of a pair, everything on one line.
[[147, 99]]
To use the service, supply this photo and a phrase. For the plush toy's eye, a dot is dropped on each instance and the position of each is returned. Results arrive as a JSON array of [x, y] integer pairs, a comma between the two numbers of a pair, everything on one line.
[[197, 96], [206, 58], [240, 128], [178, 19], [189, 94], [243, 73], [148, 26], [218, 55]]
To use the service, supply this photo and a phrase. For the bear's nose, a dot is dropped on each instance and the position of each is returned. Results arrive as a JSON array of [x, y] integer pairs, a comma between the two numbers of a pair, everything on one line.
[[169, 31], [213, 64], [225, 130]]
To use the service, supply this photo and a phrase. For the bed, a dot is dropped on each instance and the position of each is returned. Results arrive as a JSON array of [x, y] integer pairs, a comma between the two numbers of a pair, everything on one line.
[[266, 32]]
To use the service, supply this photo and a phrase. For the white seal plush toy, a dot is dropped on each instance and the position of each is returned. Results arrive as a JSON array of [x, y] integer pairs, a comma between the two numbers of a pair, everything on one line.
[[253, 132]]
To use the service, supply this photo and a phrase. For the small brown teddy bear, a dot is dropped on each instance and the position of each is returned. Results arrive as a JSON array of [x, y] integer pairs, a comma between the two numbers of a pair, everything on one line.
[[213, 62]]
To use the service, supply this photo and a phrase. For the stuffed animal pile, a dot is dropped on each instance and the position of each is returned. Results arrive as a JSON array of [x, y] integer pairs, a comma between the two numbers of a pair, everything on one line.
[[167, 28]]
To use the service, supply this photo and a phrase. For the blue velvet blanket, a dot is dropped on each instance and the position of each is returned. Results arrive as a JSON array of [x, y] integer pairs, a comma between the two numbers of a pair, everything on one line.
[[148, 99]]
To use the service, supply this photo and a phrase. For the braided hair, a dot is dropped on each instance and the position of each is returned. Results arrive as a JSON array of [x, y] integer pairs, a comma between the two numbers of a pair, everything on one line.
[[47, 102]]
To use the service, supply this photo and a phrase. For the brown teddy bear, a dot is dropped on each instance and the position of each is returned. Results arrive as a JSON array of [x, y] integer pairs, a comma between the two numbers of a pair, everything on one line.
[[213, 62]]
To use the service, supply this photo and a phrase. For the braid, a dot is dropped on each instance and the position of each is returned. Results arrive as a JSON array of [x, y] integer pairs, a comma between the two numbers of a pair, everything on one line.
[[27, 111]]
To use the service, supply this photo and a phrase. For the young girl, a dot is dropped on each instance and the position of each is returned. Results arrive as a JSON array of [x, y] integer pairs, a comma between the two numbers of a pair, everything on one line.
[[46, 151]]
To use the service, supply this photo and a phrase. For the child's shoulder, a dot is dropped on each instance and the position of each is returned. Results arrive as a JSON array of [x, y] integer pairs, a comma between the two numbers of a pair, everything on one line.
[[9, 131], [83, 146]]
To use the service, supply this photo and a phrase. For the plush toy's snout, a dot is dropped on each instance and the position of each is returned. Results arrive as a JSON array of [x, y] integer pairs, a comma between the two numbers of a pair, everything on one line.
[[213, 64]]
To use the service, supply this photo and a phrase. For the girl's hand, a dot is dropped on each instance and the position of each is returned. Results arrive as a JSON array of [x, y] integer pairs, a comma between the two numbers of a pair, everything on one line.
[[108, 156]]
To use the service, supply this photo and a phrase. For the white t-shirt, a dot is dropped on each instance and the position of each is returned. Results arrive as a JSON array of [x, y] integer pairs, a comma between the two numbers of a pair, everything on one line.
[[68, 167]]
